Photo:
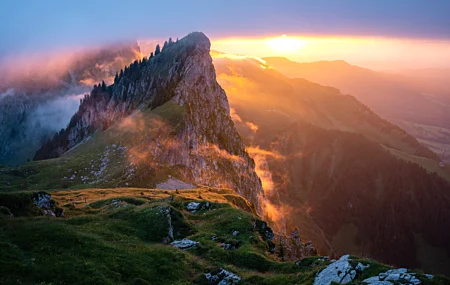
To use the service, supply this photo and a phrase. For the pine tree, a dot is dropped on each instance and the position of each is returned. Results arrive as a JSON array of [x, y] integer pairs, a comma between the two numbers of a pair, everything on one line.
[[103, 85], [157, 50], [165, 45], [116, 78], [151, 54], [121, 74], [170, 41]]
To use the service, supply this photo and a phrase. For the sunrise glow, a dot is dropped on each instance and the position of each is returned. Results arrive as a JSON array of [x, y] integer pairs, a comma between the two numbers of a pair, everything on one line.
[[380, 53], [285, 44]]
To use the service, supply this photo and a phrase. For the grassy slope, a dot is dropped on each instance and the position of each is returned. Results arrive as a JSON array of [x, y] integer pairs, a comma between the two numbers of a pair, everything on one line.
[[76, 168], [100, 243]]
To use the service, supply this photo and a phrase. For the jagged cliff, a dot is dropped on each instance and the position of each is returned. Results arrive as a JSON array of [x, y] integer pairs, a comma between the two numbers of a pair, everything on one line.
[[201, 142]]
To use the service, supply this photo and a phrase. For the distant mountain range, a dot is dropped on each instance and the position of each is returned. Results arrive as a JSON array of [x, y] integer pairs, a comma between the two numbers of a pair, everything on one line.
[[333, 168], [416, 100]]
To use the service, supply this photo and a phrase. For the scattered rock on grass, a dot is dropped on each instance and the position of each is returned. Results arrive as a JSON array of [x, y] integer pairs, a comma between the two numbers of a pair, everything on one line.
[[398, 276]]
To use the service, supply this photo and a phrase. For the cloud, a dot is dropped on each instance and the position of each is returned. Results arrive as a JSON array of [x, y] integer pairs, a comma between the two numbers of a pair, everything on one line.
[[214, 151], [218, 55], [234, 116], [9, 92], [55, 114], [254, 127], [253, 151]]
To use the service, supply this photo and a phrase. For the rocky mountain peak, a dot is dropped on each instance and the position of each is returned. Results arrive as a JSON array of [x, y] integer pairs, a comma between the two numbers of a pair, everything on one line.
[[201, 144]]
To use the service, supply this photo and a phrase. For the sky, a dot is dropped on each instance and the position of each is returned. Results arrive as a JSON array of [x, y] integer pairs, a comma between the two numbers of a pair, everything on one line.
[[31, 26]]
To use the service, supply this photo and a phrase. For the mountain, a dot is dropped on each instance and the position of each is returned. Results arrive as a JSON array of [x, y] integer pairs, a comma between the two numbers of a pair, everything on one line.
[[349, 180], [416, 100], [38, 96], [164, 120], [166, 123]]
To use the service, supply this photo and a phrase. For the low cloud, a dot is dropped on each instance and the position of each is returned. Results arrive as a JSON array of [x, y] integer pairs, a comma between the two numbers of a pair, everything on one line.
[[9, 92], [55, 113], [254, 127], [253, 151], [234, 115]]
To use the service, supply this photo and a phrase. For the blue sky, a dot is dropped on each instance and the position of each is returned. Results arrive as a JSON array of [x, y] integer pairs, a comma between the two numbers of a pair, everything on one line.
[[32, 25]]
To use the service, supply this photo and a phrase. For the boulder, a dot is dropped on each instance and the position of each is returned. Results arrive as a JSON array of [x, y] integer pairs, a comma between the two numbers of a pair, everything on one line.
[[42, 200], [340, 272], [223, 277], [193, 206], [184, 244]]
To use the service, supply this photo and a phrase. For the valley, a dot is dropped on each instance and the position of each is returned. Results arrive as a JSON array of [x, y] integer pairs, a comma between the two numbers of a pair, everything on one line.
[[348, 179], [417, 101]]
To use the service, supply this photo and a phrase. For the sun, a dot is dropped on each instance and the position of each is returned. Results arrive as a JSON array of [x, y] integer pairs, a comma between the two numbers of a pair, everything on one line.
[[285, 44]]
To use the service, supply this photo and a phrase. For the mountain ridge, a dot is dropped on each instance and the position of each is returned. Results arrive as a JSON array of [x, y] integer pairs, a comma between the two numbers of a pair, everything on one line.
[[177, 91], [416, 102]]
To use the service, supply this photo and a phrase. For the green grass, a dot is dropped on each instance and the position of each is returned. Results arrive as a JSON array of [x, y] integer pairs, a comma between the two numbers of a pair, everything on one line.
[[119, 236], [125, 245]]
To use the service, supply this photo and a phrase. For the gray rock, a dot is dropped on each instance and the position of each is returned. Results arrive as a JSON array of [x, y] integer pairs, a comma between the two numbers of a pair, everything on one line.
[[229, 246], [49, 213], [339, 271], [393, 276], [361, 267], [42, 200], [224, 277], [184, 244], [193, 206]]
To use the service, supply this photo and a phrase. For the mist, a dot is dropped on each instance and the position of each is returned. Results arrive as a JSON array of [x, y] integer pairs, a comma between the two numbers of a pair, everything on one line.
[[55, 114]]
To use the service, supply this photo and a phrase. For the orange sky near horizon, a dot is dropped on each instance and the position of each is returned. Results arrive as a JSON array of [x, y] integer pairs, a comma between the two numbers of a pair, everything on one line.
[[376, 53]]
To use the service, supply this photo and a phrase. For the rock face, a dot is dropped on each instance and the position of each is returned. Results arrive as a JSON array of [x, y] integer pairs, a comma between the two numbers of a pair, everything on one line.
[[204, 145]]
